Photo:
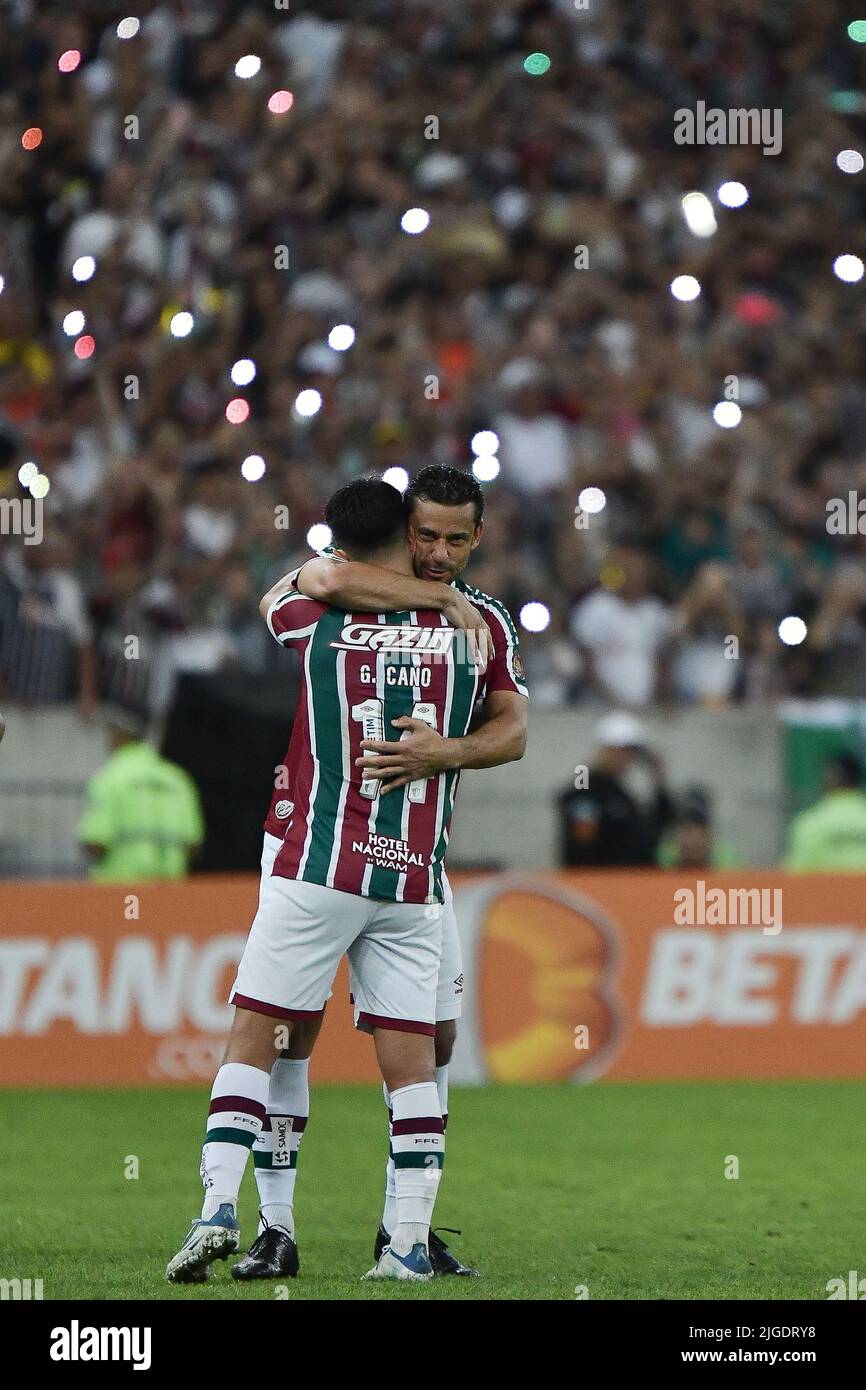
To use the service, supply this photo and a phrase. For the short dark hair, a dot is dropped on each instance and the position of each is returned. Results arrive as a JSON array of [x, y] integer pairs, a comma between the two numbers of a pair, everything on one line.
[[450, 487], [366, 515]]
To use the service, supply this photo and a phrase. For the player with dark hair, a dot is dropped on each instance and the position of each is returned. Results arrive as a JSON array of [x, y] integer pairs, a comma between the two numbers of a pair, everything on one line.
[[353, 873], [448, 487], [444, 508], [364, 516]]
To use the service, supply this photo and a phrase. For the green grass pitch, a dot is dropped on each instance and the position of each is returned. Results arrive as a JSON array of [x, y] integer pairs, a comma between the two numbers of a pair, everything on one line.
[[617, 1187]]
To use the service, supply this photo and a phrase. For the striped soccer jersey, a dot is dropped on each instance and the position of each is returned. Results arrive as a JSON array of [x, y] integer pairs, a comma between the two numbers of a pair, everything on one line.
[[359, 672]]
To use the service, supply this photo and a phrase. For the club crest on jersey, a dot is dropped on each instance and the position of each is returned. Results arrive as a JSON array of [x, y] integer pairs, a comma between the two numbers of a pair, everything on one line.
[[395, 637], [284, 809]]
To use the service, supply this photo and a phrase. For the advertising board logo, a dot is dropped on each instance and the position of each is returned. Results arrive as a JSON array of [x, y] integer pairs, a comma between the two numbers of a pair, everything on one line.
[[551, 952]]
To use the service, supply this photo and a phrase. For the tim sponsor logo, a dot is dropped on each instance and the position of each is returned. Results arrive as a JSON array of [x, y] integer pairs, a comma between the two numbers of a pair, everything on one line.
[[77, 1343]]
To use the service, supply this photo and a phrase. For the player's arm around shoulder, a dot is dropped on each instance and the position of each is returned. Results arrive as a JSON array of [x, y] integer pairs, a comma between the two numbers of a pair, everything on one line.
[[498, 734], [289, 614], [313, 579], [421, 752], [323, 578], [355, 586]]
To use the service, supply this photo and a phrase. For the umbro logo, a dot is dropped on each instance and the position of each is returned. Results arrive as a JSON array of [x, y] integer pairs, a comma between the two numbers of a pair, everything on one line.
[[458, 985]]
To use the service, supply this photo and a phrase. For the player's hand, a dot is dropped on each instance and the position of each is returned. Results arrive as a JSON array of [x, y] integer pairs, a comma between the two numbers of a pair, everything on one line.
[[419, 754], [464, 615]]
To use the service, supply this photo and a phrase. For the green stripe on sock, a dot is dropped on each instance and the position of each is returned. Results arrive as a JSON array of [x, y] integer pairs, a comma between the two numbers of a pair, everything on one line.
[[266, 1160], [230, 1136], [418, 1160]]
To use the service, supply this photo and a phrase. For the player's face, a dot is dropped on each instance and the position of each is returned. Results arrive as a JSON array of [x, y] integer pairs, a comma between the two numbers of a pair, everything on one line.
[[441, 539]]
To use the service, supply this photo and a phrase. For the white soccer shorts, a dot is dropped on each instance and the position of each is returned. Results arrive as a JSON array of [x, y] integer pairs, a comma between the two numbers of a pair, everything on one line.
[[299, 934], [449, 989]]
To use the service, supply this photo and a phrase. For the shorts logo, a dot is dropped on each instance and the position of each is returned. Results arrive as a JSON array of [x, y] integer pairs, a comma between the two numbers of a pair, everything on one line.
[[284, 809], [458, 985], [396, 637]]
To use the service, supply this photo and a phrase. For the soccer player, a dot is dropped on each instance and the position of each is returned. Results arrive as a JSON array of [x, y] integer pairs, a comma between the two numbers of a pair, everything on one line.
[[445, 523], [356, 873]]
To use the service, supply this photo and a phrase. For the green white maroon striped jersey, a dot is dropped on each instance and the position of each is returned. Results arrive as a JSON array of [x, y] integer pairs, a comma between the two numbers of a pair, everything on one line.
[[504, 672], [360, 671]]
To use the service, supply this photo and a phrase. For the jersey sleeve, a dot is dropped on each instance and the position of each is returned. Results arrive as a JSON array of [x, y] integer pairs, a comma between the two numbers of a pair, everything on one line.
[[505, 671], [292, 617]]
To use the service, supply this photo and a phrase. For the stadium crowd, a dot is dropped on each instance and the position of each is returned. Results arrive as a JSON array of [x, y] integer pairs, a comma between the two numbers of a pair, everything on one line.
[[272, 226]]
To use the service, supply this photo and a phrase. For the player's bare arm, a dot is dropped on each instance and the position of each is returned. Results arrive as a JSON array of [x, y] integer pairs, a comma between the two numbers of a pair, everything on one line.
[[500, 737], [354, 585]]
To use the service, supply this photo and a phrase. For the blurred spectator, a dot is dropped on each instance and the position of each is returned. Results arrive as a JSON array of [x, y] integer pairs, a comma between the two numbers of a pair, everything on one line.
[[603, 822], [706, 664], [554, 669], [534, 445], [692, 844], [830, 836], [624, 634], [142, 817], [839, 634], [46, 639], [270, 229]]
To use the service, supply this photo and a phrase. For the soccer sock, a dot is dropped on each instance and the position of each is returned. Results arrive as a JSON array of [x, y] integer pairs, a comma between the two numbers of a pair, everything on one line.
[[237, 1110], [275, 1153], [418, 1144], [389, 1213], [442, 1088]]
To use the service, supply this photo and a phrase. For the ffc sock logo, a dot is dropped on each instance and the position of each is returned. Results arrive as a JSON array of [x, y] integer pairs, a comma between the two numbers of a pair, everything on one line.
[[77, 1343]]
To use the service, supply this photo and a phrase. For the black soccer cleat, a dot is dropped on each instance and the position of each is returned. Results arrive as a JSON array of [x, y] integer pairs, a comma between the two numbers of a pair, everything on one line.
[[272, 1255], [443, 1261], [441, 1258], [382, 1239]]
